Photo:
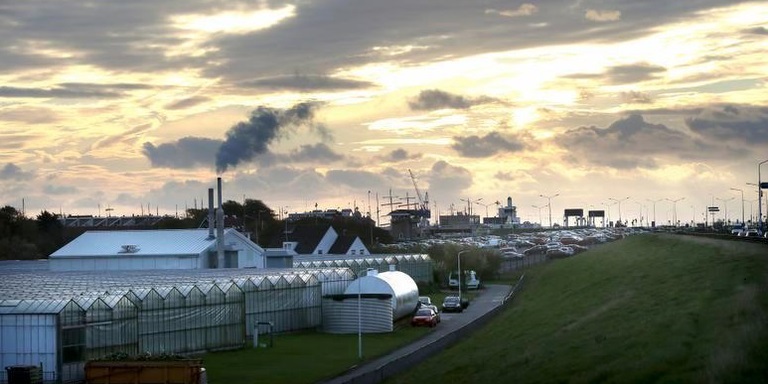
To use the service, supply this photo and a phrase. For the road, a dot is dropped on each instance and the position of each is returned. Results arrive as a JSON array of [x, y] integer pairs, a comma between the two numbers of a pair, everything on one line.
[[452, 328]]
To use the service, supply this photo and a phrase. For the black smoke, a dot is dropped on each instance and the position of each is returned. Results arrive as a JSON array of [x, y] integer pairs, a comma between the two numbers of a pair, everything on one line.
[[247, 139]]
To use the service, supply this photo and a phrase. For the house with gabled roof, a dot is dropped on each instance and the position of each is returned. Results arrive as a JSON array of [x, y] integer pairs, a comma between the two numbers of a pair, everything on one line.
[[319, 240], [157, 249]]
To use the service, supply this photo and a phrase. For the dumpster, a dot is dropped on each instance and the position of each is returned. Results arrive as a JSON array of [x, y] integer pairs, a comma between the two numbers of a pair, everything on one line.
[[24, 374], [141, 372]]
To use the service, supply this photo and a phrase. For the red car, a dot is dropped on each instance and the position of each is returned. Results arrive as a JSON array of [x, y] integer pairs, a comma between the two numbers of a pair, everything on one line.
[[425, 316]]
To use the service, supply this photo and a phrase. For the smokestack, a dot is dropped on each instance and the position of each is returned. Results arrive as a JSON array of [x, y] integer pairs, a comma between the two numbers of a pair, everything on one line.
[[220, 229], [211, 236]]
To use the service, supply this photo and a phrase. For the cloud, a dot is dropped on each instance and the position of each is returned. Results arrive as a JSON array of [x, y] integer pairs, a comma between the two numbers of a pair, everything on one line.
[[747, 125], [248, 139], [525, 9], [356, 179], [602, 15], [448, 181], [59, 190], [188, 102], [629, 142], [486, 146], [398, 155], [12, 171], [300, 82], [129, 137], [434, 99], [623, 74], [318, 153], [62, 93], [29, 115], [636, 97], [756, 31], [187, 152]]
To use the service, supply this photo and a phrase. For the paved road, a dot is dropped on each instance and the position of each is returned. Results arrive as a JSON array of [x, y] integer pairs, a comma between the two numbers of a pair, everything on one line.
[[489, 298]]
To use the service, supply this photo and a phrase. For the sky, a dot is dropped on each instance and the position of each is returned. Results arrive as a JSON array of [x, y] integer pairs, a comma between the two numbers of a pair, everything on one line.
[[129, 107]]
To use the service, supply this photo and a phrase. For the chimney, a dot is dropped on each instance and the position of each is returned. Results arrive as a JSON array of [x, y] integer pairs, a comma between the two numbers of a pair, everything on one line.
[[211, 236], [220, 229]]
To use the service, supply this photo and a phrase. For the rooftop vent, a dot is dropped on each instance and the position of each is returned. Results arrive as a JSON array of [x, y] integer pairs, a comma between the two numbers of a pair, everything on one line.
[[129, 248]]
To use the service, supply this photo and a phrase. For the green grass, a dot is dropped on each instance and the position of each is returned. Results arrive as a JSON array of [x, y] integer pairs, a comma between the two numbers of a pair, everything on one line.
[[645, 309], [303, 357]]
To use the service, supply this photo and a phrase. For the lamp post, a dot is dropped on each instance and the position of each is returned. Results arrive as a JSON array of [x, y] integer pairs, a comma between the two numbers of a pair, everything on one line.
[[549, 204], [742, 203], [654, 208], [674, 209], [618, 201], [359, 313], [725, 203], [461, 277], [539, 208], [759, 197]]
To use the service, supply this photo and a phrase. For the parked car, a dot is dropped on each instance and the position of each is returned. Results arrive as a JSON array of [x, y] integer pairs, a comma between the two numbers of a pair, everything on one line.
[[426, 302], [452, 304], [425, 316], [752, 233], [737, 231]]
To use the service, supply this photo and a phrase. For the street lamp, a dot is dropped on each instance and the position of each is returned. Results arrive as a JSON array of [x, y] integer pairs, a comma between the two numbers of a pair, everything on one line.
[[742, 203], [549, 204], [359, 314], [654, 208], [618, 201], [539, 208], [458, 260], [725, 203], [760, 196], [674, 209]]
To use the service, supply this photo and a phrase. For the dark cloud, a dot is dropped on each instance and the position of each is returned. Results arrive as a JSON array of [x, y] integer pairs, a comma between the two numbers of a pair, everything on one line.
[[29, 115], [300, 82], [746, 125], [187, 152], [59, 189], [318, 153], [448, 181], [356, 179], [623, 74], [485, 146], [636, 97], [248, 139], [188, 102], [756, 31], [62, 93], [434, 99], [12, 171], [399, 155], [629, 142]]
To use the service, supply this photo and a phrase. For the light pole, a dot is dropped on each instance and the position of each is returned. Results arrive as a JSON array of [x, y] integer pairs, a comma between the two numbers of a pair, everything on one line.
[[759, 197], [674, 209], [654, 208], [639, 204], [618, 201], [461, 277], [539, 208], [549, 204], [725, 203], [742, 204], [359, 314]]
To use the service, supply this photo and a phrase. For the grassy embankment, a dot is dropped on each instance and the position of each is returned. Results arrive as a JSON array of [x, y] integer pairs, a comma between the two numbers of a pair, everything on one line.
[[646, 309]]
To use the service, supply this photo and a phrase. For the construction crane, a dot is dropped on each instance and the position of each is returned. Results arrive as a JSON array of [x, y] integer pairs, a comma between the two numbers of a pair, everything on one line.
[[423, 206]]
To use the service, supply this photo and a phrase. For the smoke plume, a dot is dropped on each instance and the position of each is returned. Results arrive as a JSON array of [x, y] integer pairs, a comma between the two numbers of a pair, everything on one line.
[[248, 139]]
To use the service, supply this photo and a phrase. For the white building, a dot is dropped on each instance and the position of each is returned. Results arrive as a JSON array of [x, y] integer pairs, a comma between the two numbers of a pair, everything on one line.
[[156, 249]]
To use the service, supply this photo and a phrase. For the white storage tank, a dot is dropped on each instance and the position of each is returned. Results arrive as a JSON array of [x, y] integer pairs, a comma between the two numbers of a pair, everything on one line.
[[402, 288]]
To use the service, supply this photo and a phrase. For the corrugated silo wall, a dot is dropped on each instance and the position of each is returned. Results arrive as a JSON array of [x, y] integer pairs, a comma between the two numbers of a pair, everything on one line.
[[341, 316]]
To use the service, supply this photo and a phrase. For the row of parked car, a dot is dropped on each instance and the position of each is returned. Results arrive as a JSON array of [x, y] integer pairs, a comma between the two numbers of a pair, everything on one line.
[[427, 314], [752, 232]]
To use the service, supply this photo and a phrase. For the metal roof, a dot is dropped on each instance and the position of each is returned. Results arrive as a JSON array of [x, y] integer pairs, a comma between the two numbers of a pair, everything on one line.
[[146, 242]]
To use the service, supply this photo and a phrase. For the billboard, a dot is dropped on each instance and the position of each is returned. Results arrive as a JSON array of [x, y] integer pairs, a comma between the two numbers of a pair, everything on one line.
[[574, 212], [596, 213]]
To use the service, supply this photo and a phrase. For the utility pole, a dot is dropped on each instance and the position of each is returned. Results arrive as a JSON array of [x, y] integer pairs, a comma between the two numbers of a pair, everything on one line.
[[549, 203]]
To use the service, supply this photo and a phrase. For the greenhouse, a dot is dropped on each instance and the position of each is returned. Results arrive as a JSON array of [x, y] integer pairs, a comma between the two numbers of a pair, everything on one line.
[[62, 319], [418, 266]]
